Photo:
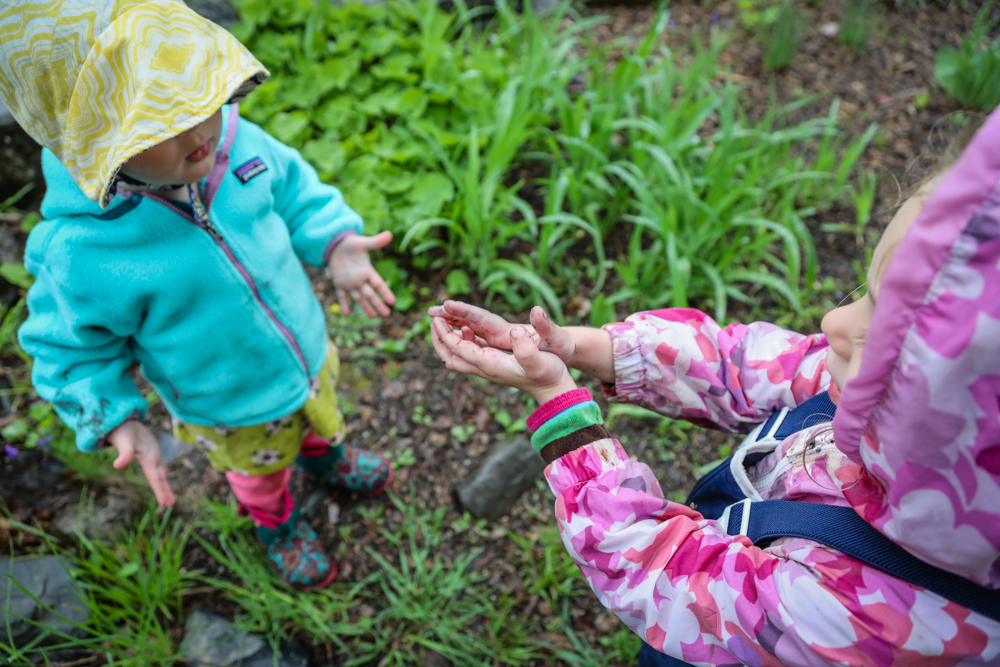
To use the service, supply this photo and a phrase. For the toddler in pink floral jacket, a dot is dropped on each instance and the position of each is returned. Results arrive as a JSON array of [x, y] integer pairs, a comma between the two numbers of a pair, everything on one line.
[[914, 448]]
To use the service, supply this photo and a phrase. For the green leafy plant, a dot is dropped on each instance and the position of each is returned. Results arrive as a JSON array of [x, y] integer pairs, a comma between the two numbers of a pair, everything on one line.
[[441, 604], [781, 39], [971, 74], [269, 606], [856, 25], [704, 202]]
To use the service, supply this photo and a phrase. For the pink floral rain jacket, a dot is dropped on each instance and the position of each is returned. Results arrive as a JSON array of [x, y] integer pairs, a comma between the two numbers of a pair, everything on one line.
[[914, 448]]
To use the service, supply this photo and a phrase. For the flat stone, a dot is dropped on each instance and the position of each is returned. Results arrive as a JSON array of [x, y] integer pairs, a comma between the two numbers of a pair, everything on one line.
[[46, 579], [171, 447], [509, 469], [210, 639], [96, 518], [216, 11]]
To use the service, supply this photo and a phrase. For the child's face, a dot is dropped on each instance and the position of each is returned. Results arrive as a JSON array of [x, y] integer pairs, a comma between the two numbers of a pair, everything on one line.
[[846, 327], [186, 158]]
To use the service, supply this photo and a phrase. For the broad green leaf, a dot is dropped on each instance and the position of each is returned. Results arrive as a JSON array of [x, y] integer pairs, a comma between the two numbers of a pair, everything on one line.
[[336, 73], [396, 67], [412, 103], [391, 179], [289, 127], [457, 283], [359, 170], [430, 192], [378, 41], [376, 104], [326, 155], [340, 114], [15, 429], [16, 274], [362, 84]]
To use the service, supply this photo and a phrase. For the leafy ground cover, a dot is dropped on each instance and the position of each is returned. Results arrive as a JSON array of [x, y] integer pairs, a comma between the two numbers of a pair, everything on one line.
[[590, 149]]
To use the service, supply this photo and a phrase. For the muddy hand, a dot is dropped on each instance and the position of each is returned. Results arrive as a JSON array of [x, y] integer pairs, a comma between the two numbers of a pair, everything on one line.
[[482, 326], [542, 374], [135, 442]]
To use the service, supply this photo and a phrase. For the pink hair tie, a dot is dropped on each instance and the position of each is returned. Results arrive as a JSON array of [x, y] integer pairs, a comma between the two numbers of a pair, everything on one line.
[[550, 409]]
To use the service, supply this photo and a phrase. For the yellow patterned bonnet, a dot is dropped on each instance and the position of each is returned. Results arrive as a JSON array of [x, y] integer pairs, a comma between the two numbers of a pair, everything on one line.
[[99, 81]]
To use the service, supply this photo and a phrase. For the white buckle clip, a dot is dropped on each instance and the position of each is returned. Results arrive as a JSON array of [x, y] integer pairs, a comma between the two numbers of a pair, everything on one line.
[[744, 520]]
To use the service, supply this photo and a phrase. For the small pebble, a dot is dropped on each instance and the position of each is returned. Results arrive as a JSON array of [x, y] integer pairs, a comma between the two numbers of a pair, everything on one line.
[[830, 29]]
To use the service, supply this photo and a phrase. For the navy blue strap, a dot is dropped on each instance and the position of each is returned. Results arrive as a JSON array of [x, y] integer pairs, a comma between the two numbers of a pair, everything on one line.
[[842, 528], [816, 410]]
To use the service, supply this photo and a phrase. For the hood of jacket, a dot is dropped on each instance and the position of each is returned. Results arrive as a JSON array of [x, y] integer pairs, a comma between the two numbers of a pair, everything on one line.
[[923, 414], [100, 82]]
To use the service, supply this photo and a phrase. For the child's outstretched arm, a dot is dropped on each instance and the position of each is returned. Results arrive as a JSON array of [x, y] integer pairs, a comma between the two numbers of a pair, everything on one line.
[[677, 361], [679, 580], [81, 356], [325, 231]]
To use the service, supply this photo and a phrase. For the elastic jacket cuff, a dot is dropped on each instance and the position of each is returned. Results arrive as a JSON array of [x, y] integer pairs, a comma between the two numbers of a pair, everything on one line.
[[334, 242], [569, 428]]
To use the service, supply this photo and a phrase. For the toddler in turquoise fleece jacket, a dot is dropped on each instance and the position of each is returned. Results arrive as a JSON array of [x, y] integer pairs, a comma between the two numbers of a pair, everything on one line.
[[175, 235]]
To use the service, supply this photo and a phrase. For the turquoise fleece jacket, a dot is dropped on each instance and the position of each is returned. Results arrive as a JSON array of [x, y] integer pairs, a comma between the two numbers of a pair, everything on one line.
[[225, 326]]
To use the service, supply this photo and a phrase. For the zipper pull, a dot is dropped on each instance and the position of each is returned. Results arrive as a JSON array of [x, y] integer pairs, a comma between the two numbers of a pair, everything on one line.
[[212, 231], [201, 214]]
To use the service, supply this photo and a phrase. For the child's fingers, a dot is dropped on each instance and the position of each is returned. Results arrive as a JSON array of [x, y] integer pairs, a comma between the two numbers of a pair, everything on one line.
[[383, 289], [440, 334], [526, 352], [368, 292], [344, 301], [357, 297], [156, 476]]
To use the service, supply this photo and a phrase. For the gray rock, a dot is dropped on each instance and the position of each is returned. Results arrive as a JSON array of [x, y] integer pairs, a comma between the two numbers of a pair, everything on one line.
[[313, 504], [171, 447], [97, 518], [46, 579], [6, 118], [212, 640], [218, 11], [509, 469]]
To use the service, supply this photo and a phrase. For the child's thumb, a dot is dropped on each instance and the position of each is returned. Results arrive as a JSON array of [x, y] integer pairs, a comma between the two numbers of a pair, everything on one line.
[[525, 351], [125, 457], [380, 240]]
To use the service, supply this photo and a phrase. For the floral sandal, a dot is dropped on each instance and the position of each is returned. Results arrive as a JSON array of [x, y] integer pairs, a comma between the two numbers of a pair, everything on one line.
[[294, 548], [351, 468]]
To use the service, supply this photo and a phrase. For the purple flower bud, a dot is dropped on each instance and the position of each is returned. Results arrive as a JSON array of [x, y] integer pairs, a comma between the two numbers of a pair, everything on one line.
[[45, 443], [672, 23], [10, 450], [714, 18]]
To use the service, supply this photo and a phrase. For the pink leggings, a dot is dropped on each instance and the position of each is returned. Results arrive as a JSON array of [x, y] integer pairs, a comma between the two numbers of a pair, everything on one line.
[[266, 497]]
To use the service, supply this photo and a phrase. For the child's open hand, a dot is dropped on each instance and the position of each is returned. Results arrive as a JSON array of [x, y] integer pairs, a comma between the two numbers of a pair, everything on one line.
[[478, 324], [355, 278], [541, 374], [135, 442]]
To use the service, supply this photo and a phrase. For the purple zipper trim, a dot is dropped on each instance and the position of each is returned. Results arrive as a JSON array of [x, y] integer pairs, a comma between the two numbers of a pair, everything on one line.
[[221, 242]]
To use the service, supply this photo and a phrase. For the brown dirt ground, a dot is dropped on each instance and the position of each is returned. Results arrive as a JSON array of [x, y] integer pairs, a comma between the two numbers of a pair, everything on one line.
[[892, 85]]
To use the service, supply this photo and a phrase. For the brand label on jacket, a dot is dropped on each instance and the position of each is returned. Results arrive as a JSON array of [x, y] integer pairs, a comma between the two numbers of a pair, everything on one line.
[[250, 169]]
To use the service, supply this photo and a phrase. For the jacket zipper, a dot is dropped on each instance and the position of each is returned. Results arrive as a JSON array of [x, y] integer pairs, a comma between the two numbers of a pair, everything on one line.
[[221, 242]]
